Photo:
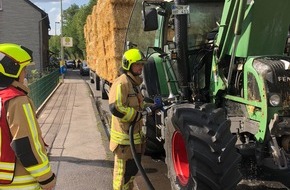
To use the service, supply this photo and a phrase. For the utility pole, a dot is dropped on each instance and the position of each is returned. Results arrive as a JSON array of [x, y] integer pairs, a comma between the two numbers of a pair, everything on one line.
[[61, 44]]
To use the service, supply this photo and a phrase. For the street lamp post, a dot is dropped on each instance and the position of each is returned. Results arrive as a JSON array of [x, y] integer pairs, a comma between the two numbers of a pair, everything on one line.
[[61, 45], [55, 27]]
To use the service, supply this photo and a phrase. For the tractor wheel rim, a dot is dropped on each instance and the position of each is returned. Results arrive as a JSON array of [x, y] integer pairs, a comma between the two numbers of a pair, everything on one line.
[[179, 157]]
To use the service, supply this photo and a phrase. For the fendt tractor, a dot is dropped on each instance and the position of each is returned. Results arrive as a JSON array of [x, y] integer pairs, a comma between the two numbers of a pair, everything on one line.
[[223, 75]]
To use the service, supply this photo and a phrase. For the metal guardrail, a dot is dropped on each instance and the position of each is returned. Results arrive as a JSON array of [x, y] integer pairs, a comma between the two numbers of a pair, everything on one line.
[[42, 88]]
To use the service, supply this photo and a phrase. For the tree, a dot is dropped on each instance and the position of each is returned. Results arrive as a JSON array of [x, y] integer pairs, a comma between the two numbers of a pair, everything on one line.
[[74, 20], [54, 45]]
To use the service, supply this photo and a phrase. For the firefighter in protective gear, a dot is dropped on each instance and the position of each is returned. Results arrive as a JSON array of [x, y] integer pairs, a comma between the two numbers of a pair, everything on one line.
[[126, 105], [24, 162]]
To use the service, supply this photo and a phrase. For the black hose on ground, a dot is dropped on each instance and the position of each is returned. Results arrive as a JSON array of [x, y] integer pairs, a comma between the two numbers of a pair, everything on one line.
[[137, 161]]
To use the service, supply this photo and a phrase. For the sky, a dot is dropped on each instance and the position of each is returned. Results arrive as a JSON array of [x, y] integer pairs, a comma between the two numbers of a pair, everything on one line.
[[52, 8]]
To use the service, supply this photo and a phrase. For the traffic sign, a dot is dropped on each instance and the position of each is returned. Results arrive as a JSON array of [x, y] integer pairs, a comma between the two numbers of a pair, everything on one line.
[[67, 41]]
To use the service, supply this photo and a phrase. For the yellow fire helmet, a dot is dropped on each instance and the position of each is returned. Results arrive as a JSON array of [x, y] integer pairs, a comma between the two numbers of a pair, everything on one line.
[[13, 58], [132, 56]]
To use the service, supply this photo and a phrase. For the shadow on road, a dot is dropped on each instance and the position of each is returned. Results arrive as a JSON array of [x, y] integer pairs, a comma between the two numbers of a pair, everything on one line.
[[101, 163]]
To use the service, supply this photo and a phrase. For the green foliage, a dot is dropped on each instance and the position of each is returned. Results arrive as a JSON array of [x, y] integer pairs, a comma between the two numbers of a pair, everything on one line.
[[74, 19], [54, 45]]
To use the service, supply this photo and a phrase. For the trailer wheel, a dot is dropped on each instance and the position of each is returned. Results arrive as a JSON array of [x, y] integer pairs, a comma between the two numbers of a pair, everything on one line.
[[92, 76], [98, 81], [200, 149], [104, 94]]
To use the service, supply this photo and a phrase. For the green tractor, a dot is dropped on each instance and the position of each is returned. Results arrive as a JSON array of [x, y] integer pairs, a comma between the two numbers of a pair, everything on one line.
[[221, 69]]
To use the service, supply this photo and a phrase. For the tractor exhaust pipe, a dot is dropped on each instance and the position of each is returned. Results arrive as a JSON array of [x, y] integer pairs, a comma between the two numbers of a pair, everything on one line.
[[181, 50]]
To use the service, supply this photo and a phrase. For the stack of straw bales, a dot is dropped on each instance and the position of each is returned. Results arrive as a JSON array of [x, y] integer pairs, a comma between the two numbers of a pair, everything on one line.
[[105, 31]]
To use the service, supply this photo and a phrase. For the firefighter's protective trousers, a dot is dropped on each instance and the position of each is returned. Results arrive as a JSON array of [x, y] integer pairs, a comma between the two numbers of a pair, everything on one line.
[[125, 102], [24, 164]]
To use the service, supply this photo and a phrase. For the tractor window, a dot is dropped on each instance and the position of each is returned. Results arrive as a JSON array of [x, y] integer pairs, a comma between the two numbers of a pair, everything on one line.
[[253, 89], [135, 33], [201, 22]]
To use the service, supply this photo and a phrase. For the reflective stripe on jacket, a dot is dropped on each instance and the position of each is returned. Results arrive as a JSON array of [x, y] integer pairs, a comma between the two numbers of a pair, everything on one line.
[[123, 139], [25, 182]]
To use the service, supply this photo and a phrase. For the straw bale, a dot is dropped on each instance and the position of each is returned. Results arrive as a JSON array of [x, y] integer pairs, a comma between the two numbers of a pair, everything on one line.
[[94, 11], [105, 31], [121, 14], [108, 67], [123, 2]]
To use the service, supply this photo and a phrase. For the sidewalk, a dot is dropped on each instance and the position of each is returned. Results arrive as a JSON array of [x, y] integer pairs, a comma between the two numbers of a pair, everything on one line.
[[77, 143]]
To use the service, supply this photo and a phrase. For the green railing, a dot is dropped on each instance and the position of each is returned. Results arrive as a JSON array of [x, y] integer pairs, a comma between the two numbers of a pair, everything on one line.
[[42, 88]]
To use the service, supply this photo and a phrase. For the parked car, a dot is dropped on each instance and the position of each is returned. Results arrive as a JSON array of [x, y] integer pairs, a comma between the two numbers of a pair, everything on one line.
[[84, 69], [70, 64]]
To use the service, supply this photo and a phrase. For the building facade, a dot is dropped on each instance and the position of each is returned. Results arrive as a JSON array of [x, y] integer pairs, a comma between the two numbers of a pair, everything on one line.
[[22, 22]]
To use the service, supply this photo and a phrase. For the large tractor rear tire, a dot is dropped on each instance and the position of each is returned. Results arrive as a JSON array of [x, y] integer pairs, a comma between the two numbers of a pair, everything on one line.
[[200, 149]]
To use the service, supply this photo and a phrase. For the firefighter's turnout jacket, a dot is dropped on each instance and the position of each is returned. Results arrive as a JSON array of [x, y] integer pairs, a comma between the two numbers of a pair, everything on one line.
[[24, 164], [126, 104]]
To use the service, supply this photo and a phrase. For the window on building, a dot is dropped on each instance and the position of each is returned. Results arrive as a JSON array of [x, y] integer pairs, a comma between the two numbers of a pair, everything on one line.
[[0, 5]]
